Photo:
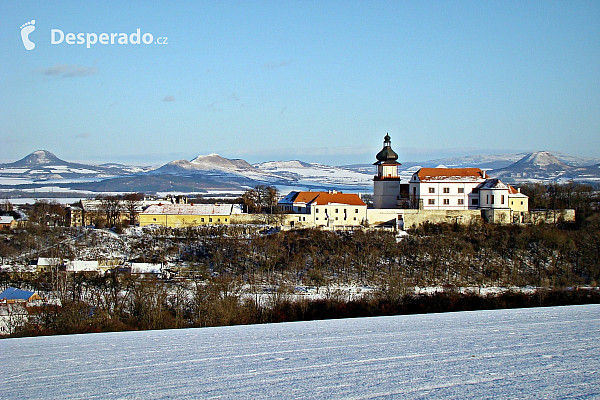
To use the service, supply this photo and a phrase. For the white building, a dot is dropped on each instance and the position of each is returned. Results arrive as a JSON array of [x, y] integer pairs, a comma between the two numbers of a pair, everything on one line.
[[445, 188], [325, 209]]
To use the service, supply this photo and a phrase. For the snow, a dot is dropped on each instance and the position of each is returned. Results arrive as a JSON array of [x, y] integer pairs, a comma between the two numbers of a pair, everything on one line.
[[14, 181], [13, 170], [522, 353]]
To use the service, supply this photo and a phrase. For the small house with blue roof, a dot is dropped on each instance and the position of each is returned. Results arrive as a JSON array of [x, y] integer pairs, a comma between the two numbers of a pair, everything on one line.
[[14, 295]]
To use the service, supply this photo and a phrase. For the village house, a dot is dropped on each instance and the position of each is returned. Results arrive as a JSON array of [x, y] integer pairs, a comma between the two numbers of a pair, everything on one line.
[[14, 295], [7, 222], [324, 209], [13, 308]]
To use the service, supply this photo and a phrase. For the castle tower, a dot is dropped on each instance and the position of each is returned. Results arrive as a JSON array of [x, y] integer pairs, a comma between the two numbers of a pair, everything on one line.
[[386, 184]]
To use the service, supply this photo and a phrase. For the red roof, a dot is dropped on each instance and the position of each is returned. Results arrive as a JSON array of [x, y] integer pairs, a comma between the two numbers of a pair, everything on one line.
[[430, 174], [350, 199]]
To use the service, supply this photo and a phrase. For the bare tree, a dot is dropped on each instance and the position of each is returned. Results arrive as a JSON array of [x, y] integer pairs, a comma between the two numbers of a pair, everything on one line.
[[261, 199], [131, 206], [112, 208]]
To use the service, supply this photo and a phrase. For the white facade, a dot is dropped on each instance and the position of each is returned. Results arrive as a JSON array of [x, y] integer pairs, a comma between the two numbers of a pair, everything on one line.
[[445, 188], [386, 193], [325, 209]]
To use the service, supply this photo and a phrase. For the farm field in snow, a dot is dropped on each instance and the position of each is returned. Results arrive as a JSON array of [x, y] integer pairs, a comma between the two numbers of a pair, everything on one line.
[[519, 353]]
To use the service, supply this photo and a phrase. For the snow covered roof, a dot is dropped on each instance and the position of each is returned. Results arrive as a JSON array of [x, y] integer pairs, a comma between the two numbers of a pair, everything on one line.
[[80, 265], [43, 261], [189, 209], [458, 174], [498, 184], [6, 219], [493, 184], [145, 268]]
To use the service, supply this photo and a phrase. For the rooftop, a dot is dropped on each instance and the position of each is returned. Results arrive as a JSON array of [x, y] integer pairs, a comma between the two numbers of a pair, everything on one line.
[[459, 174], [189, 209]]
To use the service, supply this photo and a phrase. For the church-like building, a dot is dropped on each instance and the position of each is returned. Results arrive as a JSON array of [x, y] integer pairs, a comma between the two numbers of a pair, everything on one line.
[[443, 189]]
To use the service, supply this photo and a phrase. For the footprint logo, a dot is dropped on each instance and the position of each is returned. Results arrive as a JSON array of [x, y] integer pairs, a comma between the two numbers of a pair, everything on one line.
[[26, 29]]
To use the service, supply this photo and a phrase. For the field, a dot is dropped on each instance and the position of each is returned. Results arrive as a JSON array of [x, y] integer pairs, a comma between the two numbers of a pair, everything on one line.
[[520, 353]]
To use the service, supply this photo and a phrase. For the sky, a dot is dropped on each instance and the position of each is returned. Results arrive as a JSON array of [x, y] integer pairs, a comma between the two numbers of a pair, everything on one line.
[[318, 81]]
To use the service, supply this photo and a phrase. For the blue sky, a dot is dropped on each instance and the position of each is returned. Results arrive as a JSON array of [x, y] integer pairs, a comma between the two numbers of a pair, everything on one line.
[[319, 81]]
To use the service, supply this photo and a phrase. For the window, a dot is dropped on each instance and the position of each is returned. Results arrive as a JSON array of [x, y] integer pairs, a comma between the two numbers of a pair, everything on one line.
[[317, 218], [336, 218], [356, 211], [475, 202], [446, 190], [512, 202], [492, 196], [502, 199], [210, 220], [201, 219], [336, 210], [431, 190], [218, 219], [446, 202], [355, 218], [431, 201], [225, 219], [461, 202], [461, 190], [521, 203]]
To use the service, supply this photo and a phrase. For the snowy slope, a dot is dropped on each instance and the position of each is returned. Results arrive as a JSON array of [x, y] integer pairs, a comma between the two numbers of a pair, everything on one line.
[[43, 166], [521, 353]]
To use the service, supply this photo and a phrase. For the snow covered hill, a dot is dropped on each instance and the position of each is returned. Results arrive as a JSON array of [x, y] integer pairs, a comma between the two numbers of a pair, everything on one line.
[[43, 166], [279, 173], [521, 353], [41, 169], [542, 166]]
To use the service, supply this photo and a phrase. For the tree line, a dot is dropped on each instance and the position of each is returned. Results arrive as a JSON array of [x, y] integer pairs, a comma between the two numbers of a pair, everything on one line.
[[236, 275]]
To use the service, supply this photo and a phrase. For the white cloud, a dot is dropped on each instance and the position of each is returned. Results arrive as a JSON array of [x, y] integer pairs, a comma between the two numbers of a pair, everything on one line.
[[69, 71], [280, 64]]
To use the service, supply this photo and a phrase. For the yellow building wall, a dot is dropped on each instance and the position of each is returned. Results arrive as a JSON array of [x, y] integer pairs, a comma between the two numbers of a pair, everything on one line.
[[514, 203], [181, 221]]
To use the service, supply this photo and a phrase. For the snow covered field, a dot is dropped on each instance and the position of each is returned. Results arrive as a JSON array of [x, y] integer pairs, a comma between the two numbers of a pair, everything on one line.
[[523, 353]]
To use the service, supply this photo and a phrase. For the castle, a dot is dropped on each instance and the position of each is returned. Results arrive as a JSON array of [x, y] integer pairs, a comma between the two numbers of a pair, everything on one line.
[[434, 195]]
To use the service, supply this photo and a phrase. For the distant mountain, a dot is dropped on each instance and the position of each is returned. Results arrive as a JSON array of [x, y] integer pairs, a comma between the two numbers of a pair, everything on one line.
[[211, 162], [218, 169], [36, 159], [542, 166], [43, 166], [275, 165], [216, 173]]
